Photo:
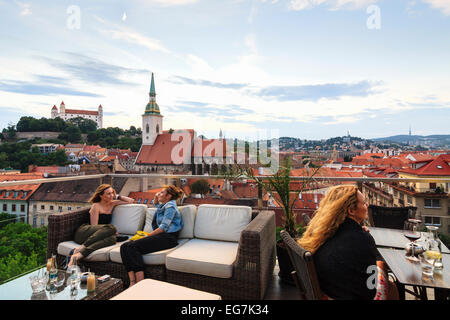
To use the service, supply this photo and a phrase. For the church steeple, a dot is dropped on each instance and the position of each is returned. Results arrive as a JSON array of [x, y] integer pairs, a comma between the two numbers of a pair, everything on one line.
[[152, 124], [152, 107]]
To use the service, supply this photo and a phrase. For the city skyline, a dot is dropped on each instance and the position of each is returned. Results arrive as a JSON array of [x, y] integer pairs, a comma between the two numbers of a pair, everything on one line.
[[308, 69]]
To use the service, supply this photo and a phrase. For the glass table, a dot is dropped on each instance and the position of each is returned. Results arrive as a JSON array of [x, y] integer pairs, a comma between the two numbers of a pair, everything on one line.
[[20, 289]]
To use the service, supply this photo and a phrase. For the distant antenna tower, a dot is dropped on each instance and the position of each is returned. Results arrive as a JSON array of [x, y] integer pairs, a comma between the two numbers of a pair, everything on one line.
[[410, 130]]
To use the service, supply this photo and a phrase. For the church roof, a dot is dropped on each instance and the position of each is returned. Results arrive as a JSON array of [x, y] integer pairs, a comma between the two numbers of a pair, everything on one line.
[[161, 151]]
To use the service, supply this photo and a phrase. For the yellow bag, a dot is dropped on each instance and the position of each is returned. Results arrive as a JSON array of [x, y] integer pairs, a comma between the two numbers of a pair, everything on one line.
[[139, 235]]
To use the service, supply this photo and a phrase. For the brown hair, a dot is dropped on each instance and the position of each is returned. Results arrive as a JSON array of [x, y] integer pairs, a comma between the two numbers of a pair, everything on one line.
[[174, 191], [100, 191], [332, 211]]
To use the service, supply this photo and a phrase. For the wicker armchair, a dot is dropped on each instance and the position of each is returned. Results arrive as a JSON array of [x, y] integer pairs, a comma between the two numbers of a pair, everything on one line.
[[305, 276], [252, 269]]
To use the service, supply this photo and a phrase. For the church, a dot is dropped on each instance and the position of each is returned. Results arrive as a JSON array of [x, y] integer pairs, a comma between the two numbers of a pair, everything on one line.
[[175, 151], [67, 114]]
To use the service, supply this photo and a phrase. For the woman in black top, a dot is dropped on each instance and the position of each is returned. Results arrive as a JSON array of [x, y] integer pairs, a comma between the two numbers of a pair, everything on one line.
[[99, 233], [345, 255]]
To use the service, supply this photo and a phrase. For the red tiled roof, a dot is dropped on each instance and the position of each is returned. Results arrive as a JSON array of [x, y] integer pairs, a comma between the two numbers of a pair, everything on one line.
[[209, 148], [308, 200], [148, 195], [73, 111], [29, 188], [438, 167], [161, 151]]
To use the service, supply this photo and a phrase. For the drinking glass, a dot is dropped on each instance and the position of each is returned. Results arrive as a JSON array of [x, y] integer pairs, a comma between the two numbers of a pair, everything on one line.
[[410, 231], [428, 260], [433, 243]]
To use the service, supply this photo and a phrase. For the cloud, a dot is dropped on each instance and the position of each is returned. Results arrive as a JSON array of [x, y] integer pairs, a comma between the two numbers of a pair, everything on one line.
[[443, 5], [137, 38], [207, 83], [92, 70], [41, 89], [298, 5], [169, 3], [317, 92], [25, 8]]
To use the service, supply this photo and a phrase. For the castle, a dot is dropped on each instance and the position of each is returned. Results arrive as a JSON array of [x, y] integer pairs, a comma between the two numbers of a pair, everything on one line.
[[67, 114]]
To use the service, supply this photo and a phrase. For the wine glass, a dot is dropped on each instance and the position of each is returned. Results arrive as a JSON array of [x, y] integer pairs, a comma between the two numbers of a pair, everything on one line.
[[412, 234]]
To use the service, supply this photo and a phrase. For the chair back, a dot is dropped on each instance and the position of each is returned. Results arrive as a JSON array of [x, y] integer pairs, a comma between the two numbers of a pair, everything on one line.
[[305, 275], [390, 217], [306, 218]]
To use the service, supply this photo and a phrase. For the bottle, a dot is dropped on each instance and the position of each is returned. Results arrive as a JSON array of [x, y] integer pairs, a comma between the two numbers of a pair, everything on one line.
[[53, 272], [74, 273]]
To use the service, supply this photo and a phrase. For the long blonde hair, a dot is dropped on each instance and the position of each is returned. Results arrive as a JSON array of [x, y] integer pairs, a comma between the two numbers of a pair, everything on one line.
[[332, 211], [100, 191]]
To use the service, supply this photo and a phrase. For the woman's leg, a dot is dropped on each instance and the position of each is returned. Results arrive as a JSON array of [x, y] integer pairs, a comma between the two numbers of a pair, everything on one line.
[[132, 251], [386, 289]]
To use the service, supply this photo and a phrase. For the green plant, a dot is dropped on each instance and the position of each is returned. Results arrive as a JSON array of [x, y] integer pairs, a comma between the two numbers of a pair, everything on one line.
[[279, 183]]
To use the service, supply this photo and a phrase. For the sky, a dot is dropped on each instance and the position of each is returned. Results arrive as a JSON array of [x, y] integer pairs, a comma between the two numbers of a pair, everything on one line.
[[311, 69]]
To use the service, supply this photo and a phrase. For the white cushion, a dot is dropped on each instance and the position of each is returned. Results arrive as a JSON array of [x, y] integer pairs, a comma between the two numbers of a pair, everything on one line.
[[154, 258], [150, 212], [205, 257], [149, 289], [129, 218], [221, 222], [101, 254], [188, 214]]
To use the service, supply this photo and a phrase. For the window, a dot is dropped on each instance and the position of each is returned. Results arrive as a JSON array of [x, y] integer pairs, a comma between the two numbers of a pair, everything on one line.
[[42, 207], [432, 185], [59, 208], [139, 200], [51, 208], [13, 206], [145, 201], [22, 208], [436, 221], [5, 207], [69, 208], [432, 203], [16, 193], [409, 199]]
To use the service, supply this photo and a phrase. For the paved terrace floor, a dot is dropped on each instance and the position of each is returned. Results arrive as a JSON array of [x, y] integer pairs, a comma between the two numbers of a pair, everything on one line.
[[279, 290]]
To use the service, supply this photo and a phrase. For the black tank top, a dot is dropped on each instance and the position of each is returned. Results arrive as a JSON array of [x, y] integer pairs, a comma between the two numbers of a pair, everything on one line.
[[104, 218]]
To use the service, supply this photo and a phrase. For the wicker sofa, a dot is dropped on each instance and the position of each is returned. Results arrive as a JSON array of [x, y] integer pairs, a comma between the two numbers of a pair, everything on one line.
[[226, 250]]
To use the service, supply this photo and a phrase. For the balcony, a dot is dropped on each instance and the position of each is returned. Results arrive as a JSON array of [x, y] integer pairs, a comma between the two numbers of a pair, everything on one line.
[[276, 290]]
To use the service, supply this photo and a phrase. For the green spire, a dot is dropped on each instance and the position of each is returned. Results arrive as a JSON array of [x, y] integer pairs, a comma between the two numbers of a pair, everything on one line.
[[152, 107], [152, 87]]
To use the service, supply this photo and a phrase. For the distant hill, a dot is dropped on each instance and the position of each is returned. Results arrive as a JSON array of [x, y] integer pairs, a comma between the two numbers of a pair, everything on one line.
[[436, 139]]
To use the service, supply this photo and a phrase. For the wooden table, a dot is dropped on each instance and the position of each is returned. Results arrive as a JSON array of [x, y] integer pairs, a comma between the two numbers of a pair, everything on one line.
[[410, 273], [394, 238]]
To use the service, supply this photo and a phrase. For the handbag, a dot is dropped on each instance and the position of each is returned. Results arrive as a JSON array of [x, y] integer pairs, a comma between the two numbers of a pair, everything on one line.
[[139, 235]]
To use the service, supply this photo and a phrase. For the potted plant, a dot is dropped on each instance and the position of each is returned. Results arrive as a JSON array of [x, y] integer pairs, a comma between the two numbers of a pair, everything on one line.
[[278, 186]]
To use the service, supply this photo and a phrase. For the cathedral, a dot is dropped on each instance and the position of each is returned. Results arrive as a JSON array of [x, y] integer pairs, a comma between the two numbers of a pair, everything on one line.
[[67, 114], [175, 151]]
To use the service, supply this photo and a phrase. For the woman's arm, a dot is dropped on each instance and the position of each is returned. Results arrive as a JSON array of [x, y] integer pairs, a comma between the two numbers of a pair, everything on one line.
[[122, 200], [94, 212]]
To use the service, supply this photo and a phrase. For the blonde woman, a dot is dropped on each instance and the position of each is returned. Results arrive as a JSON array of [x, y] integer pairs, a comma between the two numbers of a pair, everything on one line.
[[347, 261], [99, 233]]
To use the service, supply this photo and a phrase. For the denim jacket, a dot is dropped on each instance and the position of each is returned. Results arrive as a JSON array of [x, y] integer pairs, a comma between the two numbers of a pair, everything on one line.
[[167, 217]]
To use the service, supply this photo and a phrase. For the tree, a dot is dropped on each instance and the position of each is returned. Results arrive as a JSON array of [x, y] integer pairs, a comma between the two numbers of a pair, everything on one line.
[[200, 187], [21, 248]]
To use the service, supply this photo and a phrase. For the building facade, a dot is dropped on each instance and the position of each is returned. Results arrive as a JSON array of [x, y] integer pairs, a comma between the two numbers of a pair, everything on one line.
[[67, 114]]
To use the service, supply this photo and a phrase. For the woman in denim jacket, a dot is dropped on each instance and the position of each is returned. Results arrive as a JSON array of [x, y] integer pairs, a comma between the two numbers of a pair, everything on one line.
[[166, 223]]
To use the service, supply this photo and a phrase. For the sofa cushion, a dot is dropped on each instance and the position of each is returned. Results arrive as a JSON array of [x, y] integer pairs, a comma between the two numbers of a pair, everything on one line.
[[149, 289], [102, 254], [188, 214], [221, 222], [129, 218], [154, 258], [150, 212], [205, 257]]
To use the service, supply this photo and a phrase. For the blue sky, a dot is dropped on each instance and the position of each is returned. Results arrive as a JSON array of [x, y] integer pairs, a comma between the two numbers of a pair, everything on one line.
[[311, 69]]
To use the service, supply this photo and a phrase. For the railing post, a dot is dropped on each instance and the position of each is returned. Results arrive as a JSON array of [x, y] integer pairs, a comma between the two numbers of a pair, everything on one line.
[[143, 185]]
